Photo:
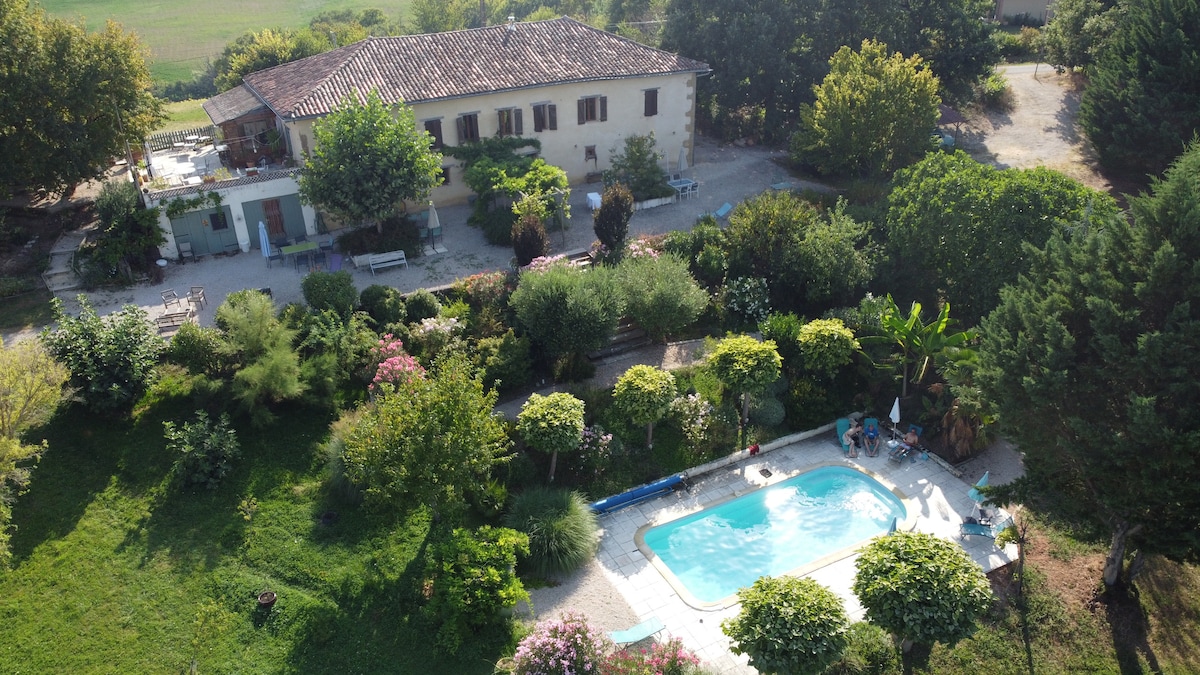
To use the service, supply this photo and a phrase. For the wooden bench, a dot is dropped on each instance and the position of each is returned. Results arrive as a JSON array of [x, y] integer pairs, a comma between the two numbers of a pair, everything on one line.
[[378, 261], [170, 322]]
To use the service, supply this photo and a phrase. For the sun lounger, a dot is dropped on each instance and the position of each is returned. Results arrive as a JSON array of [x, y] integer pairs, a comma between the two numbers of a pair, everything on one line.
[[640, 632]]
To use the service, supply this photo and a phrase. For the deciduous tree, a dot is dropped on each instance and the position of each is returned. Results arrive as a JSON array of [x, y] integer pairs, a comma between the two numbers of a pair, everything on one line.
[[368, 160], [746, 366], [31, 386], [660, 294], [644, 394], [1076, 32], [872, 113], [1090, 362], [955, 227], [788, 625], [427, 440], [921, 588], [73, 99], [566, 310], [551, 424]]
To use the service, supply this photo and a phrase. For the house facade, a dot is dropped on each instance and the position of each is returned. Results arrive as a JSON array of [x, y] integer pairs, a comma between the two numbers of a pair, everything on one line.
[[580, 91]]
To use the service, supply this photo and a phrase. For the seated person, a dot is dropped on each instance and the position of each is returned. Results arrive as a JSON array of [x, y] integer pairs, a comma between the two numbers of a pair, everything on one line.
[[872, 439], [853, 439], [911, 438]]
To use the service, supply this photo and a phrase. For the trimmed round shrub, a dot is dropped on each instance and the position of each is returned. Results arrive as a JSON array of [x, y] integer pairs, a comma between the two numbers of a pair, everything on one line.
[[563, 531], [788, 625], [330, 290], [869, 651], [766, 411], [421, 305], [383, 304]]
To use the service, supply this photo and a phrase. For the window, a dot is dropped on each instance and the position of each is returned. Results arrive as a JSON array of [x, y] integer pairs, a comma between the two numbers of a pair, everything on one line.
[[434, 128], [593, 109], [545, 117], [651, 102], [589, 153], [217, 218], [468, 128], [508, 122]]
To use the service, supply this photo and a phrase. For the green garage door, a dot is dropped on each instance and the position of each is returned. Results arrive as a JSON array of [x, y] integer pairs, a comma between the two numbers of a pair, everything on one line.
[[208, 231], [282, 216]]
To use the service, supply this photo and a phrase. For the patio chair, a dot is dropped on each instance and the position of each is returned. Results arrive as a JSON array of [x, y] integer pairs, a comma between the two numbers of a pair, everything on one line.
[[867, 423], [273, 254], [195, 296], [643, 630], [170, 297], [185, 251]]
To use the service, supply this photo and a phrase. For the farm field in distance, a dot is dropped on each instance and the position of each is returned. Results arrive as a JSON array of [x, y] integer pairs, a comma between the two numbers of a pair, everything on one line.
[[182, 36]]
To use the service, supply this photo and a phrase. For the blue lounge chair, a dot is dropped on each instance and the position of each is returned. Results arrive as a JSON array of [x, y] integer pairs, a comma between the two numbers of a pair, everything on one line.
[[974, 528], [843, 424], [724, 210], [643, 630]]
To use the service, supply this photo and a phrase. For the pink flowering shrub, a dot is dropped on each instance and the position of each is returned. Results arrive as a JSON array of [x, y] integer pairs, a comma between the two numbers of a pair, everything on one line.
[[641, 248], [484, 289], [595, 451], [568, 646], [393, 364], [543, 263], [661, 659]]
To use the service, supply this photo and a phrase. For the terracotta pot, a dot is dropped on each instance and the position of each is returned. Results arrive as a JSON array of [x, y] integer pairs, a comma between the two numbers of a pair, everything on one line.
[[266, 599]]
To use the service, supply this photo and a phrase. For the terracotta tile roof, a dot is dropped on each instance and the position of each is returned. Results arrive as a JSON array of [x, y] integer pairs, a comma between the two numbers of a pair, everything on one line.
[[433, 66], [232, 104]]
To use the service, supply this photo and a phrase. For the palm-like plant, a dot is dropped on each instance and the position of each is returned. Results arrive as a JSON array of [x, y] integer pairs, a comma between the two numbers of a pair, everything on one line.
[[921, 344]]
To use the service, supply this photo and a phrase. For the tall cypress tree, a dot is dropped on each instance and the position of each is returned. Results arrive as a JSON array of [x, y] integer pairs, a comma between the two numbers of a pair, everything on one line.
[[1091, 361], [1143, 102]]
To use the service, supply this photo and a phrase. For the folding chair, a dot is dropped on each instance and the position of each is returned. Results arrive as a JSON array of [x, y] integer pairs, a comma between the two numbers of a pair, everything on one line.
[[185, 251]]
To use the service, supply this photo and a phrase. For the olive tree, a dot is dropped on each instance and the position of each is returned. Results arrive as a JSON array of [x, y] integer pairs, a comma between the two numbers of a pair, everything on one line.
[[644, 394], [660, 294], [551, 424], [788, 625], [921, 588]]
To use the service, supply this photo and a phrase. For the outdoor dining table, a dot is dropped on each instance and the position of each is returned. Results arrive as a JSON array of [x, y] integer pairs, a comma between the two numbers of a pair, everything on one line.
[[295, 250], [683, 187]]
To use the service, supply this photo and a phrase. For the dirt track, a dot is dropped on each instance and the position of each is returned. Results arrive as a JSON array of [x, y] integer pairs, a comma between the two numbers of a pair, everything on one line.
[[1040, 130]]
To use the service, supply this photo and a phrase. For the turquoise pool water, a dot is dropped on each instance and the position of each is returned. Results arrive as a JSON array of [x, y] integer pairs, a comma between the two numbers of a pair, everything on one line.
[[774, 530]]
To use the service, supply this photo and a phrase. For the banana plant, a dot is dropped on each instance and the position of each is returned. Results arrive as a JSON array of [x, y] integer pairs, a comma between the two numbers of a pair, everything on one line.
[[920, 343]]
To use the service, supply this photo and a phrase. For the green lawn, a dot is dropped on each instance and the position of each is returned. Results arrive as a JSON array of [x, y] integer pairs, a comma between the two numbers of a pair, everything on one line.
[[117, 571], [184, 115], [182, 36]]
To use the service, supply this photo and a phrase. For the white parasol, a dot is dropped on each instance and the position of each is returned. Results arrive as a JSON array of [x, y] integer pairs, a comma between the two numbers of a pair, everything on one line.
[[264, 241], [895, 416]]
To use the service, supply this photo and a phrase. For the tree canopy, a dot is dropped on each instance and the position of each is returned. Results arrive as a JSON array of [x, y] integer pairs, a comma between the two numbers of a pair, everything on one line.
[[1098, 340], [921, 588], [427, 441], [955, 227], [1076, 32], [644, 394], [1142, 103], [73, 99], [551, 424], [872, 115], [369, 159], [788, 625]]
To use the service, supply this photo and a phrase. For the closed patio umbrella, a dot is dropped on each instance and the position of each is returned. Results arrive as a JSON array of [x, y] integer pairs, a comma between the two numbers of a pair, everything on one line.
[[264, 240], [895, 416], [435, 225], [682, 160]]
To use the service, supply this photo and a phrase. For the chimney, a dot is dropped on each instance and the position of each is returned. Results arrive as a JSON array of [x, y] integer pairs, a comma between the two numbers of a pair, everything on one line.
[[512, 23]]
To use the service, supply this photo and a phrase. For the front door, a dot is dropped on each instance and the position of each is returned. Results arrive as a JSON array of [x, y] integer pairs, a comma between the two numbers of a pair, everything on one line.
[[283, 217]]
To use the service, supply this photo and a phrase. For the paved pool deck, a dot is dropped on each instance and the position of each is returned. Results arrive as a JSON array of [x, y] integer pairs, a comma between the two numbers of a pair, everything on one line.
[[935, 495]]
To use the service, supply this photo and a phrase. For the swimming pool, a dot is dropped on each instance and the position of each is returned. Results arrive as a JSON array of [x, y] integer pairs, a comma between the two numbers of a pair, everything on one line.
[[777, 529]]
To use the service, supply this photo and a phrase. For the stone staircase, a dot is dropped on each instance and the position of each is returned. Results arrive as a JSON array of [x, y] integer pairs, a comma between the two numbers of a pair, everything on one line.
[[59, 276], [627, 338]]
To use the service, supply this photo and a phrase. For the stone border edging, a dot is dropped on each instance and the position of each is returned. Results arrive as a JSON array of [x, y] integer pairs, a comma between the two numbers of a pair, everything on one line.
[[764, 447]]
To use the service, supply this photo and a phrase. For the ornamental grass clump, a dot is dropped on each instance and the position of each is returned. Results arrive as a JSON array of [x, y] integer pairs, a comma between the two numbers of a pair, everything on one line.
[[563, 531], [568, 646]]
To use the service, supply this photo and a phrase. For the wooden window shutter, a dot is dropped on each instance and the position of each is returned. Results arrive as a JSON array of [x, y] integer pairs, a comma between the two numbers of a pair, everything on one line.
[[603, 108], [582, 110], [461, 123], [518, 125], [501, 118], [552, 115], [539, 117], [274, 217], [651, 102], [434, 127]]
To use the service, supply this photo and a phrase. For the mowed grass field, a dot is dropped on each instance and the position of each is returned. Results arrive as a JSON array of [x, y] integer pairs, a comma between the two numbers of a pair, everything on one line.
[[183, 35]]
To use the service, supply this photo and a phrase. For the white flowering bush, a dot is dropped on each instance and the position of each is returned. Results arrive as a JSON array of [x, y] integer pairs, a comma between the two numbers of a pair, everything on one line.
[[595, 452], [567, 646], [746, 299], [693, 414], [434, 334]]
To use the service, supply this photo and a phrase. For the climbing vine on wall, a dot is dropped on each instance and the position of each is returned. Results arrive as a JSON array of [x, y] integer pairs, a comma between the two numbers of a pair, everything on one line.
[[179, 206]]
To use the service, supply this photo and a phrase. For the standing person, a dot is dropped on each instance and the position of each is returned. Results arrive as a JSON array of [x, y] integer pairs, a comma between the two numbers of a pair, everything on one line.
[[872, 435]]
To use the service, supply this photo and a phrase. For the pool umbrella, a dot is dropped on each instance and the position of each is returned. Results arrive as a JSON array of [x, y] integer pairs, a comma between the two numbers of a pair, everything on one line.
[[435, 225], [974, 493], [895, 416], [682, 160], [264, 241]]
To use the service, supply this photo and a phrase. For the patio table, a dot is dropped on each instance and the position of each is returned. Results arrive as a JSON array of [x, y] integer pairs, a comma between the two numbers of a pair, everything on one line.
[[683, 187], [306, 247]]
